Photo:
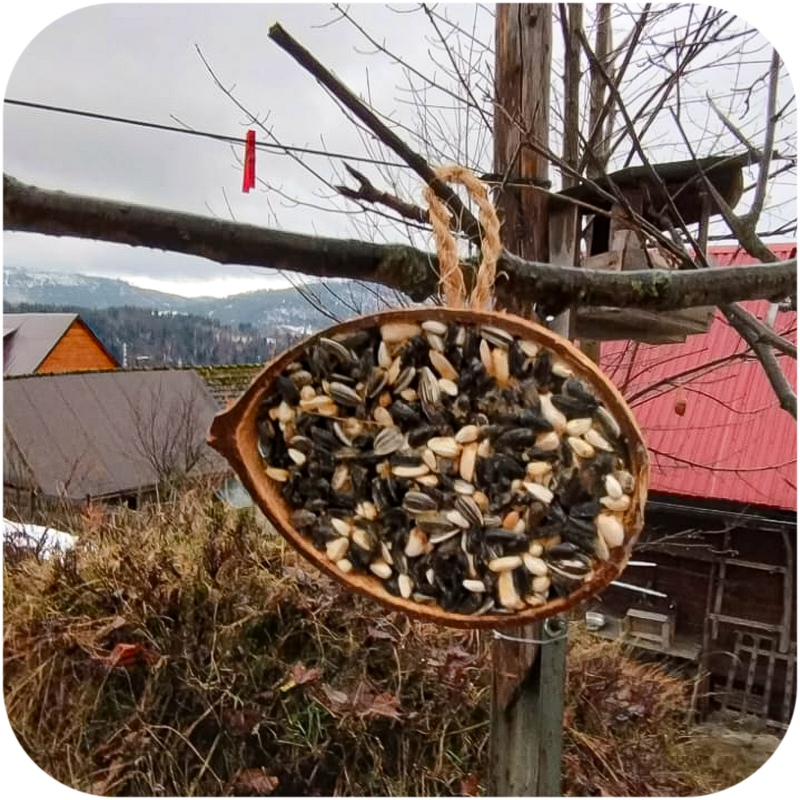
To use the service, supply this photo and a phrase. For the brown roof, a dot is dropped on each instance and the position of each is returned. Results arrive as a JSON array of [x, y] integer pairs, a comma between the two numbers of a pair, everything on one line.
[[91, 433], [683, 180], [28, 338]]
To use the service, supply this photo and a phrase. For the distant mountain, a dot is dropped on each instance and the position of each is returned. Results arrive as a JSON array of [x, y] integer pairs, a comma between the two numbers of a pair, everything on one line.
[[265, 310]]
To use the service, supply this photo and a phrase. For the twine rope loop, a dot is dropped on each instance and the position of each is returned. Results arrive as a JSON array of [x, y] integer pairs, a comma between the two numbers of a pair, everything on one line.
[[451, 277]]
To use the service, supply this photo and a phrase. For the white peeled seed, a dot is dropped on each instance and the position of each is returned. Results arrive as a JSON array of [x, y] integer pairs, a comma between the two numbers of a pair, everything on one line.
[[581, 448], [415, 546], [345, 565], [406, 586], [613, 487], [540, 584], [561, 369], [507, 592], [485, 352], [597, 440], [396, 332], [622, 503], [435, 327], [429, 458], [450, 388], [466, 464], [442, 365], [342, 527], [578, 426], [555, 417], [541, 493], [296, 456], [380, 568], [536, 566], [548, 441], [475, 586], [445, 446], [384, 356], [610, 528], [505, 563], [469, 433], [336, 549], [277, 474]]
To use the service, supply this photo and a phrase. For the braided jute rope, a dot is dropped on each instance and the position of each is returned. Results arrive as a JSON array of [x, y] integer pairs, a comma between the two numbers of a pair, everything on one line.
[[451, 279]]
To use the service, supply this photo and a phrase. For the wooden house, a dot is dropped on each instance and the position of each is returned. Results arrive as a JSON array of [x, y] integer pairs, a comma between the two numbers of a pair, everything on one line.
[[40, 344], [713, 579]]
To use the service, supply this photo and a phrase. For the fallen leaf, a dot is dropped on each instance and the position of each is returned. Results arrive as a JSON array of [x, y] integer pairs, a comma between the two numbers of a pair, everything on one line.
[[470, 785], [338, 701], [384, 705], [301, 675], [254, 780], [126, 655]]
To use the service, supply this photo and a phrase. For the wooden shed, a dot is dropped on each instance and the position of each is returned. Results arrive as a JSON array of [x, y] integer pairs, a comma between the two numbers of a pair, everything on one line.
[[41, 344], [667, 196]]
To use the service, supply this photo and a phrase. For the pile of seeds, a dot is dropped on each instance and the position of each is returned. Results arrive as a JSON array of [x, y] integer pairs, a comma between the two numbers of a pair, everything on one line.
[[460, 465]]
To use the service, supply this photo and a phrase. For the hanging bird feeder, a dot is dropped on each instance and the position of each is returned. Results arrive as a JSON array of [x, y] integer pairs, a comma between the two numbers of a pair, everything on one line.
[[461, 465]]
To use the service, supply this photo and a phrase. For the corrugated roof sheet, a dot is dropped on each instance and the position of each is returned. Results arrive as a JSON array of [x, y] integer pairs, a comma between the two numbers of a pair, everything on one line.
[[28, 338], [733, 441], [84, 433]]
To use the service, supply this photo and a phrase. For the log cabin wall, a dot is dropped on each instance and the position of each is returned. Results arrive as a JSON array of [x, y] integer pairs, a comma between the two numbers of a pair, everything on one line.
[[78, 350]]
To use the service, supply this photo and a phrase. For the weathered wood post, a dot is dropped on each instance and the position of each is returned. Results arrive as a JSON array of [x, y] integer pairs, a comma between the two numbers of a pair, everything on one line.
[[529, 663]]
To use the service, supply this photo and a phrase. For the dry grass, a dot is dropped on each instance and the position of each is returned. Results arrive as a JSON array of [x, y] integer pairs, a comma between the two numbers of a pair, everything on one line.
[[183, 651]]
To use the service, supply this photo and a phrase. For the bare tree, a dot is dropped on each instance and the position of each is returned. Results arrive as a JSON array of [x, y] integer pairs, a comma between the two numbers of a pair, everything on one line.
[[167, 434], [643, 76]]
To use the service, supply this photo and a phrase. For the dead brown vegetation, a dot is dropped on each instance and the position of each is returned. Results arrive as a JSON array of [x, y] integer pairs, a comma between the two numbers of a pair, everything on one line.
[[184, 650]]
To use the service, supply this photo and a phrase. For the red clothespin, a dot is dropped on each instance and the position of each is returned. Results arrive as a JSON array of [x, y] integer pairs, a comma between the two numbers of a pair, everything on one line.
[[249, 180]]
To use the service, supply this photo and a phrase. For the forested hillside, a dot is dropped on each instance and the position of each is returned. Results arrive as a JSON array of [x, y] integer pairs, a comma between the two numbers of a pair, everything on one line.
[[145, 337]]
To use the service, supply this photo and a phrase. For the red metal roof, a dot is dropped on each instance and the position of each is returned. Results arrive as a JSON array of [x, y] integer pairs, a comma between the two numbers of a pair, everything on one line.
[[732, 441]]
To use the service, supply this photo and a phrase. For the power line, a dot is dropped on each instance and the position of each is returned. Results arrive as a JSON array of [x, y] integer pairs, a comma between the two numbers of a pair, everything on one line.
[[280, 149]]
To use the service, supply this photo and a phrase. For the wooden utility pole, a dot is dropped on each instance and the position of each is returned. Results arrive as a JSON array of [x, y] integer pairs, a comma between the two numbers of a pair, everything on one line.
[[529, 663]]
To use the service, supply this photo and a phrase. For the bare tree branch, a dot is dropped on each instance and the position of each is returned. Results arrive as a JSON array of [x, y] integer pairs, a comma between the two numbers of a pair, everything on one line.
[[28, 208]]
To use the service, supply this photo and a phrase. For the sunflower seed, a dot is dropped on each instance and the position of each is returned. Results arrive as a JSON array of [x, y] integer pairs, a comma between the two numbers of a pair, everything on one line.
[[344, 395], [388, 441]]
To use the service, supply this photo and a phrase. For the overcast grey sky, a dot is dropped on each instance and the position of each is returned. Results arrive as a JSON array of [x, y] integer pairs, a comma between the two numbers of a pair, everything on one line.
[[139, 61]]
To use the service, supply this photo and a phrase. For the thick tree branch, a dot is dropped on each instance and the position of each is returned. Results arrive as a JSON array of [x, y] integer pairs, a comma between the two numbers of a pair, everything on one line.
[[28, 208]]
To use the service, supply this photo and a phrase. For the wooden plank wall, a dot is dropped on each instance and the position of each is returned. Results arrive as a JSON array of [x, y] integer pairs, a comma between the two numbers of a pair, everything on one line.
[[77, 350]]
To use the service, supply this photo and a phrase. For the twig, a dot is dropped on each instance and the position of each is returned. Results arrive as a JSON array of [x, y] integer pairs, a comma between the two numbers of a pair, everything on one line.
[[370, 194]]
